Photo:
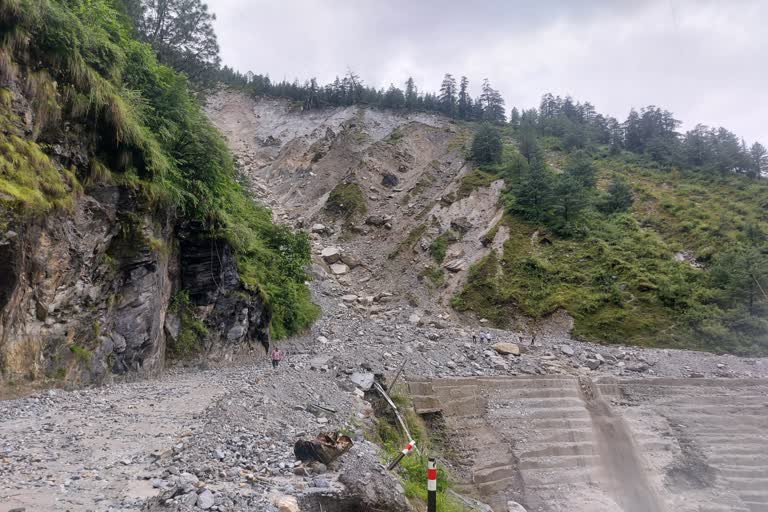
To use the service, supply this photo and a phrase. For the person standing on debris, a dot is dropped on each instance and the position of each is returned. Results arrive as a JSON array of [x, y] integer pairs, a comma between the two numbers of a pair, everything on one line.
[[277, 356], [474, 337]]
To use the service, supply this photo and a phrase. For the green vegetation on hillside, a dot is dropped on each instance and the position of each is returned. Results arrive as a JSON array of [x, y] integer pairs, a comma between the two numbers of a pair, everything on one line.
[[346, 200], [636, 251], [77, 61], [389, 436]]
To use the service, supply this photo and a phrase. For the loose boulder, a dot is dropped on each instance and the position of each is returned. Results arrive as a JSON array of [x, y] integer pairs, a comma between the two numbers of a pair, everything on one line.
[[331, 255], [286, 504], [592, 364], [376, 220], [339, 269], [205, 500], [320, 229], [455, 265], [364, 380], [507, 348]]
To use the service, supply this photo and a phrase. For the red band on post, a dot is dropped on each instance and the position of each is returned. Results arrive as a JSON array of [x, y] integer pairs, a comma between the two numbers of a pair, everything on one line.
[[431, 474]]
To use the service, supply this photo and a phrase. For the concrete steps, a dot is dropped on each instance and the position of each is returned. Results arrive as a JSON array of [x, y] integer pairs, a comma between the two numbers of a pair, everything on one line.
[[728, 421], [537, 437]]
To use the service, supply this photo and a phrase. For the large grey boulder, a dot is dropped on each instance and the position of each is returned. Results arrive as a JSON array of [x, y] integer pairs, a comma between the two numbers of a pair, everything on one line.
[[205, 500], [331, 255], [506, 348], [364, 380]]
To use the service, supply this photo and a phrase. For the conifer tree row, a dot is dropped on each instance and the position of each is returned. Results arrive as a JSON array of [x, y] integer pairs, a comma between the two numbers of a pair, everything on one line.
[[452, 99]]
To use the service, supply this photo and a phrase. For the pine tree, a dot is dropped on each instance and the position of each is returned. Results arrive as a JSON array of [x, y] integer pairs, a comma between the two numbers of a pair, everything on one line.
[[514, 118], [580, 168], [492, 103], [528, 146], [312, 101], [465, 102], [741, 275], [487, 146], [447, 96], [570, 198], [394, 98], [758, 156], [533, 193], [632, 135], [619, 197], [411, 94]]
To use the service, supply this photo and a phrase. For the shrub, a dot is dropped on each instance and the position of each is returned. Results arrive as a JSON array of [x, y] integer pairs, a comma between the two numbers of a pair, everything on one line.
[[346, 200], [438, 249]]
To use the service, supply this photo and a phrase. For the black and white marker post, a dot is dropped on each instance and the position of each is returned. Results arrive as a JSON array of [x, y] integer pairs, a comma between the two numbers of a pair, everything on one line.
[[431, 486]]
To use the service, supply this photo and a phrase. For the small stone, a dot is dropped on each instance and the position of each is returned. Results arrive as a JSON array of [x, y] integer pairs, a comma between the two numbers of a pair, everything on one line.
[[219, 453], [513, 506], [205, 500], [339, 269], [567, 350], [189, 500], [287, 504], [321, 483], [592, 364]]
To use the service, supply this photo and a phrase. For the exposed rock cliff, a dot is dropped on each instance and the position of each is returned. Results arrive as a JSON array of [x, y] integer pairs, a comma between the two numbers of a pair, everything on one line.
[[86, 291]]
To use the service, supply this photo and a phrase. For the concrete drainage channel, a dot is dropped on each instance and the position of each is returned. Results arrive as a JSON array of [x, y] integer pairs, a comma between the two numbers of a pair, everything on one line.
[[564, 443]]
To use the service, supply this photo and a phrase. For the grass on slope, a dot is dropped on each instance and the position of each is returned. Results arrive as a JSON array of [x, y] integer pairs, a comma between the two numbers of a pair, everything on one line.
[[621, 280]]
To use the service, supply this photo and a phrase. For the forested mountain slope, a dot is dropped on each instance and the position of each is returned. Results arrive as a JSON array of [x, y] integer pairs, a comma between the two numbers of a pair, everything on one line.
[[639, 251]]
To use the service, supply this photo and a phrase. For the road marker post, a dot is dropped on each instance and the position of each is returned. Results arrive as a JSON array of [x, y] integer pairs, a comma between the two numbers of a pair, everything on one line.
[[431, 486]]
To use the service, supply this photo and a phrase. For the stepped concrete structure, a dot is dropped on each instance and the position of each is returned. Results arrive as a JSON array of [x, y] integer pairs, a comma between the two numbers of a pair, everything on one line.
[[561, 443]]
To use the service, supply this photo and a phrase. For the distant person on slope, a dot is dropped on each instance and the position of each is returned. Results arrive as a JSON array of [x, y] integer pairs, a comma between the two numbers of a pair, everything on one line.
[[277, 356]]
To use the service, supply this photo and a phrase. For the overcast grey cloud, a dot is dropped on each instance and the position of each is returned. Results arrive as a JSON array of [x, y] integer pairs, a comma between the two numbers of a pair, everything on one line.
[[704, 60]]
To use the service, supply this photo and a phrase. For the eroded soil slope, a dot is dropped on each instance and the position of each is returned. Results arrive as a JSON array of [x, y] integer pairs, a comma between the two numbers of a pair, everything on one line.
[[408, 170]]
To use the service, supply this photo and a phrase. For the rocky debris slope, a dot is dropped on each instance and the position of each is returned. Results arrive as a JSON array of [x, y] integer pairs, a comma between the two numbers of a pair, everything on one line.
[[402, 177], [161, 444]]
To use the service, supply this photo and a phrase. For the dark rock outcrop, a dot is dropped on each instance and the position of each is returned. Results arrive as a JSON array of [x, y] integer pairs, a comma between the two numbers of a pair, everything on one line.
[[209, 274], [85, 294]]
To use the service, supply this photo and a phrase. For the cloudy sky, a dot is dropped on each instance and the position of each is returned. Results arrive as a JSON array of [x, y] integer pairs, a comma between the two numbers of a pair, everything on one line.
[[703, 60]]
